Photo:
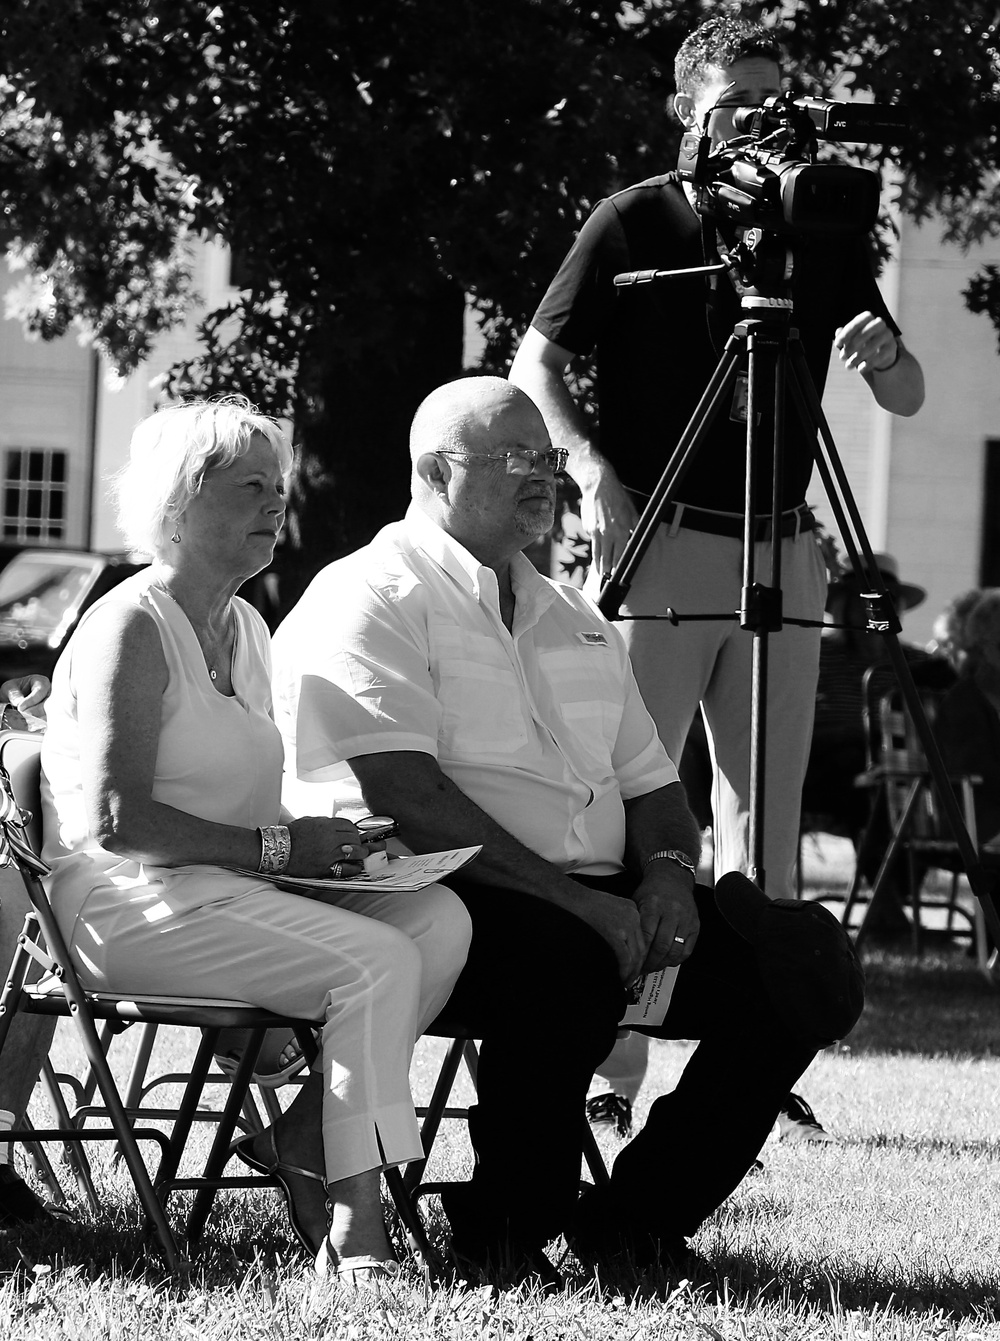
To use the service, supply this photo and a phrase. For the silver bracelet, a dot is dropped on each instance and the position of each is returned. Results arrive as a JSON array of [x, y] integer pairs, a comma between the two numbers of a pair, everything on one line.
[[275, 848]]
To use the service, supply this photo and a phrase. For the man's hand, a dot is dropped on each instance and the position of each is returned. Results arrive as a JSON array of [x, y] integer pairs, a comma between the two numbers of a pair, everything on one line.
[[608, 515], [866, 344], [617, 920], [667, 915]]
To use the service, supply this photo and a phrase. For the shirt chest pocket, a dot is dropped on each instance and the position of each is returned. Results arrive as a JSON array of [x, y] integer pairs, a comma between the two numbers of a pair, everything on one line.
[[482, 705], [587, 692]]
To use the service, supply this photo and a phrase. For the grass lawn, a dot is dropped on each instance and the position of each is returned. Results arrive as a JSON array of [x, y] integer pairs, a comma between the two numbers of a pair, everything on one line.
[[894, 1232]]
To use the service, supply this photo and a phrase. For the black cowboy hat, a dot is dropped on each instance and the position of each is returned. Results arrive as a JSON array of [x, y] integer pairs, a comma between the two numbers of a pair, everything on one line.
[[905, 595]]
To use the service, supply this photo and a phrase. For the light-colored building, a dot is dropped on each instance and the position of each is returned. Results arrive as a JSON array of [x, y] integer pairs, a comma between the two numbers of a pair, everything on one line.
[[65, 421], [928, 488]]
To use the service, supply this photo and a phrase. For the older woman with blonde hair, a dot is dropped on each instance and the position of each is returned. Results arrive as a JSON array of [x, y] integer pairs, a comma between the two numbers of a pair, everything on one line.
[[162, 771]]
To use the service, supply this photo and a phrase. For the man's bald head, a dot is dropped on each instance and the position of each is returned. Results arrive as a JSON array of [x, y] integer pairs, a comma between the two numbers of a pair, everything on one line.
[[460, 443], [459, 416]]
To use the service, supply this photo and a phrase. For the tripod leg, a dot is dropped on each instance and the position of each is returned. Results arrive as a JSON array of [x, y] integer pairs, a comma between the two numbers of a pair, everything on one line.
[[722, 381]]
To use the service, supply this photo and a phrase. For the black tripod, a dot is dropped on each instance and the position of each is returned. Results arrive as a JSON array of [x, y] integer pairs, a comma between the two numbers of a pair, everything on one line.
[[766, 344]]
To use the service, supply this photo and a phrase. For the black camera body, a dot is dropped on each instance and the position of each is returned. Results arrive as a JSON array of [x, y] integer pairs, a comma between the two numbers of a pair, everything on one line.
[[768, 177]]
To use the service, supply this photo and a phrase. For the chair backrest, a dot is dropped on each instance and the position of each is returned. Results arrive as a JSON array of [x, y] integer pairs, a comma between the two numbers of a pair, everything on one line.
[[21, 798], [21, 760], [900, 753]]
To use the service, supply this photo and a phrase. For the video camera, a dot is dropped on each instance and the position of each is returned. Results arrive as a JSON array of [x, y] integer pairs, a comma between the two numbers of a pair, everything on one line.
[[768, 178]]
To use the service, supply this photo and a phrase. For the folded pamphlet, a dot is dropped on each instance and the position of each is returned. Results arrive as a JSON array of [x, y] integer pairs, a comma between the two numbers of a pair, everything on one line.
[[404, 875], [649, 997]]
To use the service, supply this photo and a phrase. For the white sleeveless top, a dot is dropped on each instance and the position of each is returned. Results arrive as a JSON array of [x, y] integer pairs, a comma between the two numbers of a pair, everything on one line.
[[219, 758]]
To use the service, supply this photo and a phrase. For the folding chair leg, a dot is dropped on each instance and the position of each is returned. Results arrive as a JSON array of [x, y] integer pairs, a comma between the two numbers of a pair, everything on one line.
[[406, 1188], [434, 1112], [184, 1120], [42, 1167], [140, 1064], [890, 856], [120, 1121], [221, 1149], [74, 1155], [409, 1216], [594, 1158], [852, 894], [84, 1089]]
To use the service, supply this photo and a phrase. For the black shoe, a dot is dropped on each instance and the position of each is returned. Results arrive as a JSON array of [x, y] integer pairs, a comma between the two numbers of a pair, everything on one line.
[[597, 1233], [797, 1122], [18, 1204], [607, 1110], [483, 1254]]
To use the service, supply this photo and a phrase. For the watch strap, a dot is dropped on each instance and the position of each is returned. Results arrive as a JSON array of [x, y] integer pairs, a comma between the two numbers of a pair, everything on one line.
[[672, 854]]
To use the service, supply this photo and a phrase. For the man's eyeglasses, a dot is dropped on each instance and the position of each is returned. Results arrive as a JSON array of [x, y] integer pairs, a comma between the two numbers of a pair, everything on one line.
[[521, 461]]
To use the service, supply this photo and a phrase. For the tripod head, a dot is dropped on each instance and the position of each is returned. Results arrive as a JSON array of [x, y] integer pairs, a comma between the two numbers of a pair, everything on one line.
[[761, 264]]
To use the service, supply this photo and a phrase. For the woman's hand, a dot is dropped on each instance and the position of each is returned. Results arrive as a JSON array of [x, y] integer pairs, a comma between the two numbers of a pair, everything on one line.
[[319, 844], [25, 700]]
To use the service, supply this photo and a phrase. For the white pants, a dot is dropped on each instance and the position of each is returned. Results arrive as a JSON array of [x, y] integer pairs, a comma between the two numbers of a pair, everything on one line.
[[624, 1068], [678, 667], [373, 970]]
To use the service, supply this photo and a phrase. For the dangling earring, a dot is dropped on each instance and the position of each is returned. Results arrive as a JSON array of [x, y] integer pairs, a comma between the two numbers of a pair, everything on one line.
[[176, 537]]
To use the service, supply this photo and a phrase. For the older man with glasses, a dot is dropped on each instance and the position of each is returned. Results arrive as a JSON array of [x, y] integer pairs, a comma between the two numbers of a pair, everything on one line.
[[437, 677]]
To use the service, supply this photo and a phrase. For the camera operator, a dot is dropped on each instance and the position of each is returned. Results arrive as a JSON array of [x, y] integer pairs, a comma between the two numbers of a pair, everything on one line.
[[657, 348]]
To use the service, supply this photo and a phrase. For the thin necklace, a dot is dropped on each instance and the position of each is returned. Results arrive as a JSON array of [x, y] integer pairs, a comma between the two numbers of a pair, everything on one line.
[[212, 672]]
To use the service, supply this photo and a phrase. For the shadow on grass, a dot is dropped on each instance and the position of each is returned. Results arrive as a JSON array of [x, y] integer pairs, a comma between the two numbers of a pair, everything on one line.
[[937, 1005], [754, 1281], [111, 1249], [115, 1245]]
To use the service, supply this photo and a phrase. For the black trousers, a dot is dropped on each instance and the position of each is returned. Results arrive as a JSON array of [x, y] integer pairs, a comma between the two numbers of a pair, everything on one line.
[[540, 990], [698, 1141]]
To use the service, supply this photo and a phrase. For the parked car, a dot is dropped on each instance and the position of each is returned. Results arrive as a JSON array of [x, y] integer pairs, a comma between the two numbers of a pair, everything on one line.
[[43, 593]]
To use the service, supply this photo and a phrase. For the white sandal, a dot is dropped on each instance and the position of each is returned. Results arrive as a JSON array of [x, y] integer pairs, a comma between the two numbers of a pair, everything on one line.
[[278, 1062], [354, 1270]]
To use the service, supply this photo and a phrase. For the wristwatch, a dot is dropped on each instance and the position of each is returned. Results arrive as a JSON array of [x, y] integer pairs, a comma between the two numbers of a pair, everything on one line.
[[672, 854]]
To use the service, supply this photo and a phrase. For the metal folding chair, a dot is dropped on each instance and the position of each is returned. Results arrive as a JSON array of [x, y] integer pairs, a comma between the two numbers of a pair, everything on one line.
[[903, 787], [42, 980], [407, 1187]]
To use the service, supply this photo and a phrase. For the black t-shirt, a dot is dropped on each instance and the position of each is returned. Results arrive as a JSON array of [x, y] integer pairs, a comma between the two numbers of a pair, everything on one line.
[[659, 344]]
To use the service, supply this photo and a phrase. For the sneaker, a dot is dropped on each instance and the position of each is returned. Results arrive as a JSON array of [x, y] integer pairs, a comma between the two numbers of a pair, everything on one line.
[[797, 1122], [610, 1110]]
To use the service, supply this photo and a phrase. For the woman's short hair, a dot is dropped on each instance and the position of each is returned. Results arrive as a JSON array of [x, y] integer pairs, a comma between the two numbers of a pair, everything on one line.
[[949, 631], [982, 626], [169, 455]]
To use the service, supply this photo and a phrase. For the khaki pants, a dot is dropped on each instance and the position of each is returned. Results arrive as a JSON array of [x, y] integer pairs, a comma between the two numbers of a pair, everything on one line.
[[678, 667]]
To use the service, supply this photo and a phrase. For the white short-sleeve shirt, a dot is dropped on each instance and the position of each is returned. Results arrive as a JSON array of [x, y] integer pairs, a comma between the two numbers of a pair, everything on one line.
[[401, 646]]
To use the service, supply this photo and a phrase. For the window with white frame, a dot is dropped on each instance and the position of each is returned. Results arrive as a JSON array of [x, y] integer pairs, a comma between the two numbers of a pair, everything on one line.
[[34, 495]]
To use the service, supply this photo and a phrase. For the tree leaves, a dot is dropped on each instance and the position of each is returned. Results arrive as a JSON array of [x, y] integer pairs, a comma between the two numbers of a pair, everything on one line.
[[370, 165]]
